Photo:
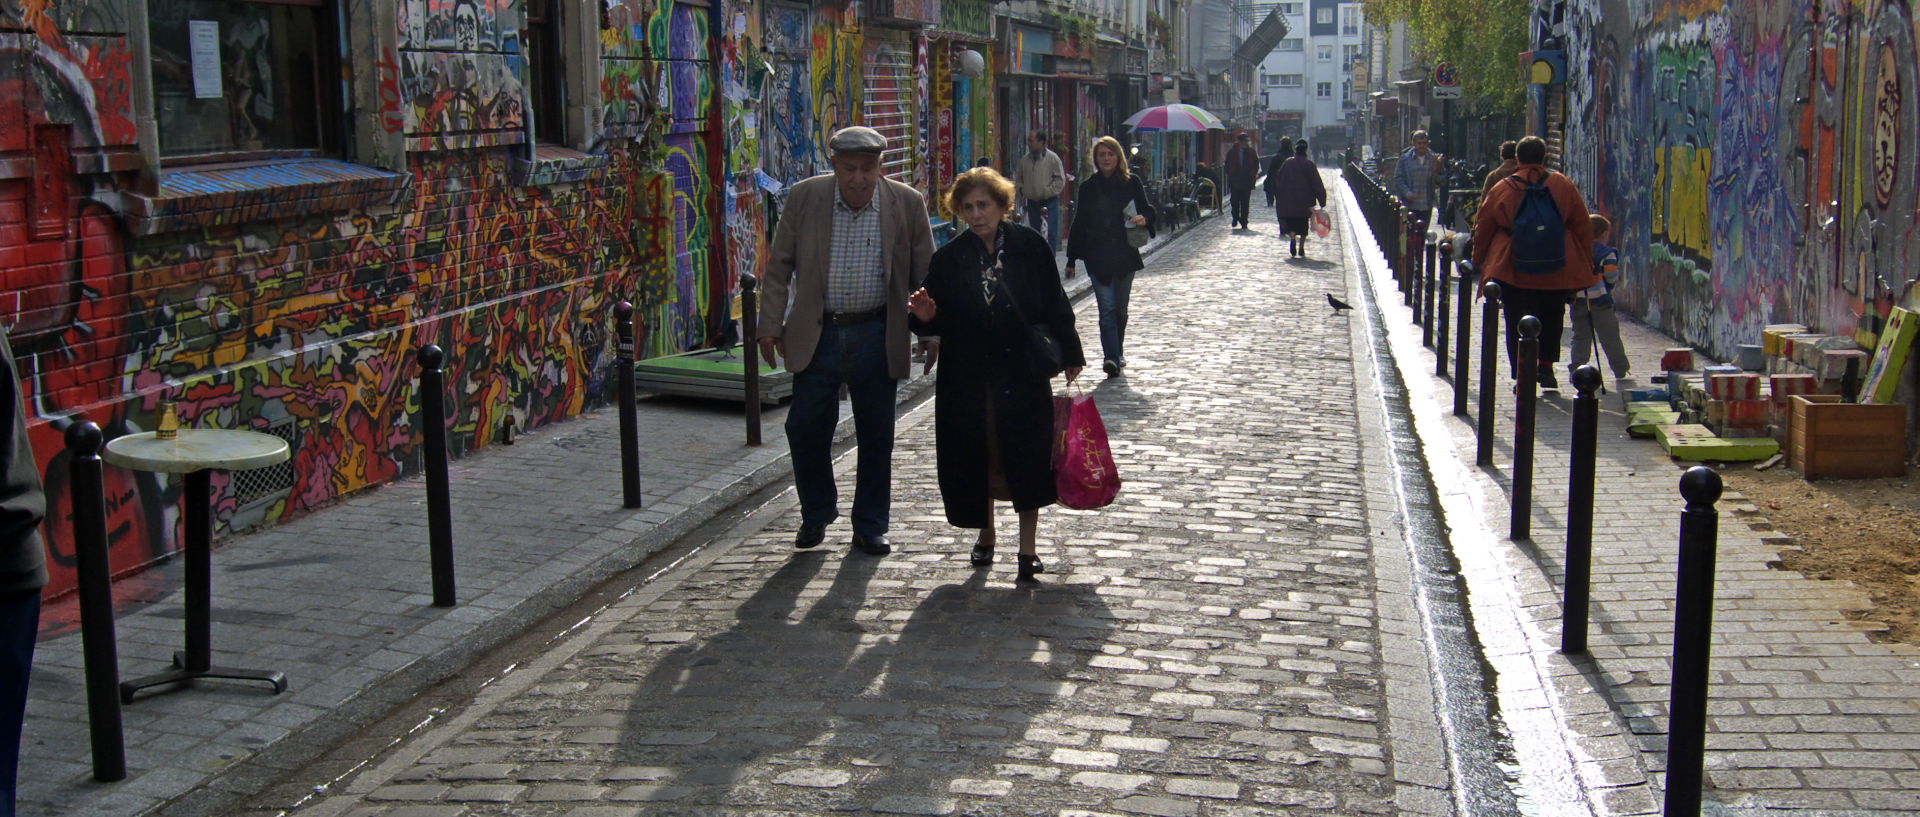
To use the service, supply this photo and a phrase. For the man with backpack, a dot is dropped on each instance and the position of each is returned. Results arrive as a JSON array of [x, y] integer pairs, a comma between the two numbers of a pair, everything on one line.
[[1534, 237]]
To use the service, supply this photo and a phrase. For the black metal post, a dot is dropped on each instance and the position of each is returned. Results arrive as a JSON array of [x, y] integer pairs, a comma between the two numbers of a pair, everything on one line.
[[1520, 524], [749, 329], [1468, 275], [1430, 273], [1692, 641], [1409, 256], [1586, 428], [629, 410], [1443, 280], [1414, 272], [1489, 346], [433, 429], [96, 602]]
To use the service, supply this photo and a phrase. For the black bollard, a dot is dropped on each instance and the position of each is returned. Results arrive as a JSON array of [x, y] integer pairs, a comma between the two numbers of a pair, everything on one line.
[[96, 602], [1468, 275], [1430, 275], [1415, 272], [1692, 641], [1489, 360], [1586, 429], [749, 311], [433, 431], [1520, 522], [1443, 280], [1409, 256], [629, 411]]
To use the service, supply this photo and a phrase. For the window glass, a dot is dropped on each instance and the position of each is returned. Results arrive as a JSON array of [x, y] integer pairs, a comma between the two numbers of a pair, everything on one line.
[[1293, 44], [256, 84], [1323, 16], [1292, 80], [1323, 90], [1323, 53], [547, 91]]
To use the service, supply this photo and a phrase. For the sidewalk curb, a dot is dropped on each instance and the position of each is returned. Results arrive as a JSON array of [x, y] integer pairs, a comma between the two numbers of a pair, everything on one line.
[[700, 503]]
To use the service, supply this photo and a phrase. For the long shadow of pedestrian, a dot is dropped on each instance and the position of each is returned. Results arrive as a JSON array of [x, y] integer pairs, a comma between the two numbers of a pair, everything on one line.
[[770, 684]]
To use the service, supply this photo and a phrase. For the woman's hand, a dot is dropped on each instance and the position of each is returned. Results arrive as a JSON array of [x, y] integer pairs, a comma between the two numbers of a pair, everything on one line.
[[1072, 372], [1070, 272], [921, 305], [1138, 221]]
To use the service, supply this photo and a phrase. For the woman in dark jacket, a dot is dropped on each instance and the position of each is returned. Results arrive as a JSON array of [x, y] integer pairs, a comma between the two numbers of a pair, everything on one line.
[[1273, 166], [1099, 237], [992, 402], [1297, 189]]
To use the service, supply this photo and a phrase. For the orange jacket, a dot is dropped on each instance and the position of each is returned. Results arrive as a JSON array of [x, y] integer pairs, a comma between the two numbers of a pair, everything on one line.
[[1493, 233]]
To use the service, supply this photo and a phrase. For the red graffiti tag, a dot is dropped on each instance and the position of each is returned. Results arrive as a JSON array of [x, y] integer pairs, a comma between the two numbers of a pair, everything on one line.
[[388, 69]]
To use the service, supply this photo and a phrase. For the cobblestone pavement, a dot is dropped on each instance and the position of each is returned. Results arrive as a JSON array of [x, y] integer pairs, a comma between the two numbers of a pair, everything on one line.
[[1211, 644], [1806, 714]]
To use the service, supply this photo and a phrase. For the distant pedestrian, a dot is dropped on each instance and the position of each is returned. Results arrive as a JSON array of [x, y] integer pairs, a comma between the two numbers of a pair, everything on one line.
[[1100, 238], [1508, 164], [1041, 177], [992, 404], [1534, 237], [1273, 171], [833, 303], [1413, 176], [1243, 168], [1297, 190], [23, 570], [1592, 308], [983, 162]]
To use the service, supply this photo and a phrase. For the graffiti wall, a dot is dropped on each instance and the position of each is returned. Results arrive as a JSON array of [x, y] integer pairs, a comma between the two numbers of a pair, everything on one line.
[[1757, 160]]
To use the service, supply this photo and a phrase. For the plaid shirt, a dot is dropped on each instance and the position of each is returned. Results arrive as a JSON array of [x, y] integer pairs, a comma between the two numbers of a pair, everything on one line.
[[856, 278]]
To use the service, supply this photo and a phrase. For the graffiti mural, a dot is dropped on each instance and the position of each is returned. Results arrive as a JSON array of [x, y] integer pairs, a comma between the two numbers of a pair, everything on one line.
[[836, 72], [1753, 159]]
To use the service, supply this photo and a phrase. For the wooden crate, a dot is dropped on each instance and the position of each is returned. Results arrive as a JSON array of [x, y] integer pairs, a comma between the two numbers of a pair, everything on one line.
[[1828, 438]]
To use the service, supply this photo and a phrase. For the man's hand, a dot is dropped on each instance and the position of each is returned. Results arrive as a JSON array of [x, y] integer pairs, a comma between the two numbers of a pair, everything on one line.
[[772, 350], [1070, 272]]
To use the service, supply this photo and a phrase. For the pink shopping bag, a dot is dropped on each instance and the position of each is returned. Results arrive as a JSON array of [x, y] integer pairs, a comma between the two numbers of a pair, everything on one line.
[[1084, 473], [1321, 224]]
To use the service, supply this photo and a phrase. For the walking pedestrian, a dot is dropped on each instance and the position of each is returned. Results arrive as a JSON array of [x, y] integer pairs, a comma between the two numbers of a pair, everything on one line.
[[1592, 309], [1099, 237], [987, 292], [1534, 237], [1413, 176], [1041, 176], [1280, 157], [1297, 190], [1507, 165], [1243, 168], [23, 571], [859, 243]]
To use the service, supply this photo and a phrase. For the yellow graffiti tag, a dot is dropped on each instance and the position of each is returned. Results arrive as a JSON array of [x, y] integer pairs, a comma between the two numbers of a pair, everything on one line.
[[1680, 199]]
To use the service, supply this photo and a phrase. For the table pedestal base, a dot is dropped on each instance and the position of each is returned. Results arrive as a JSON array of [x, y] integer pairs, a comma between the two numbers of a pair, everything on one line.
[[180, 674]]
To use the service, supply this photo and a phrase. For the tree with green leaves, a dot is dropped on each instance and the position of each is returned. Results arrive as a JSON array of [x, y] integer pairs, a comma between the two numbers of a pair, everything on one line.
[[1482, 38]]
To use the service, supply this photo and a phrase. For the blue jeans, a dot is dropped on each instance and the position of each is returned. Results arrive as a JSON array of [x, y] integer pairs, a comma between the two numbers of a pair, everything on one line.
[[19, 625], [1048, 211], [857, 356], [1112, 298]]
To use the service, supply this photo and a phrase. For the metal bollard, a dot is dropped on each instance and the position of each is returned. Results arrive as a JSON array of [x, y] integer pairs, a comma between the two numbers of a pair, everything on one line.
[[1415, 273], [1409, 256], [629, 412], [1430, 277], [1489, 359], [1443, 280], [1520, 522], [1692, 641], [749, 312], [433, 432], [1468, 275], [96, 602], [1586, 429]]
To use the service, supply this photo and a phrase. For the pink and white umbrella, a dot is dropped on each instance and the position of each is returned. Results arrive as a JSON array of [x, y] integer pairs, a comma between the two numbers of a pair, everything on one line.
[[1176, 117]]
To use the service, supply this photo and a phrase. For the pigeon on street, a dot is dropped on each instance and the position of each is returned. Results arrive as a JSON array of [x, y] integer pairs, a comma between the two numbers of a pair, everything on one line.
[[1338, 304]]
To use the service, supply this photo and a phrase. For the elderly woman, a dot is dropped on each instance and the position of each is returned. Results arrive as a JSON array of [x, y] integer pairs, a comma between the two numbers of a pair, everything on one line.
[[1297, 190], [986, 291], [1099, 237]]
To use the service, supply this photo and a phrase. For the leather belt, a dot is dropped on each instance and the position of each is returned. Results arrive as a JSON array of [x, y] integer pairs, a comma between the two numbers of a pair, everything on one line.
[[856, 318]]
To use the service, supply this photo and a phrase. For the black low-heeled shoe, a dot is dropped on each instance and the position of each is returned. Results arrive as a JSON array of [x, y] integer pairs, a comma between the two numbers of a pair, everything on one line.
[[1030, 566], [982, 556]]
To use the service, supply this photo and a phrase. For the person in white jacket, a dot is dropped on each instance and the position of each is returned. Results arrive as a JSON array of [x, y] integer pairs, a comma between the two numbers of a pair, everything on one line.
[[1041, 178]]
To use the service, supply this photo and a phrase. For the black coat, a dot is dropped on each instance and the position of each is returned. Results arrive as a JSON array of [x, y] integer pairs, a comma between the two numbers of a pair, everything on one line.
[[984, 369], [1297, 188], [1099, 234]]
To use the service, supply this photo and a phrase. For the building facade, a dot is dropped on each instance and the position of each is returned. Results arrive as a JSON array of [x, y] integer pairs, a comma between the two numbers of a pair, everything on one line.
[[1308, 81]]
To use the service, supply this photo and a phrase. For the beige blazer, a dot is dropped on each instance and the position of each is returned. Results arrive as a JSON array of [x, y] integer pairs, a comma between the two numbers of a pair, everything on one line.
[[793, 293]]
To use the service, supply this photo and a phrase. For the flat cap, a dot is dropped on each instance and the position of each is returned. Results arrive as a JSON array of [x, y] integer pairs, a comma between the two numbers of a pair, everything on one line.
[[857, 139]]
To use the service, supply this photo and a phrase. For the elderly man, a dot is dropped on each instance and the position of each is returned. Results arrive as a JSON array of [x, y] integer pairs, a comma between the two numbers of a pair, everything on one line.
[[1041, 178], [1413, 177], [849, 247]]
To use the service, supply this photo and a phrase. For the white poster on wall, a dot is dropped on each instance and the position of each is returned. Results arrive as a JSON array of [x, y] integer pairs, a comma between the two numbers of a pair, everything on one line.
[[204, 41]]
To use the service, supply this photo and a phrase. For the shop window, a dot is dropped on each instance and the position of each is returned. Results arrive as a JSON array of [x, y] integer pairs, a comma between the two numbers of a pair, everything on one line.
[[546, 73], [245, 78]]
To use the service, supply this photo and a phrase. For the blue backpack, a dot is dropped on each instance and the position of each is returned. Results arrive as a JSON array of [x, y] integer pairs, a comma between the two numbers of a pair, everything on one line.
[[1539, 233]]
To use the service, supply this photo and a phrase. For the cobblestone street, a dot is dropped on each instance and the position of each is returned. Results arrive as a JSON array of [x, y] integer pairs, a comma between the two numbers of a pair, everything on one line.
[[1210, 644]]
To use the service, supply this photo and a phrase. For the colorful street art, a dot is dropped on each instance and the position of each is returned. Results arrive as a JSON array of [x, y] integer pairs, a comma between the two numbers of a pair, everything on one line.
[[1753, 158], [836, 71]]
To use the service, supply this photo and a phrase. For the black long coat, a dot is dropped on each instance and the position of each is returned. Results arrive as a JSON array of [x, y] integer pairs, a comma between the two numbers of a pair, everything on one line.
[[1297, 188], [984, 370], [1099, 234]]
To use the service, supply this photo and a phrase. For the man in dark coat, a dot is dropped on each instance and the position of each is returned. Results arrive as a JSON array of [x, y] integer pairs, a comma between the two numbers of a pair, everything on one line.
[[23, 570], [1243, 168]]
